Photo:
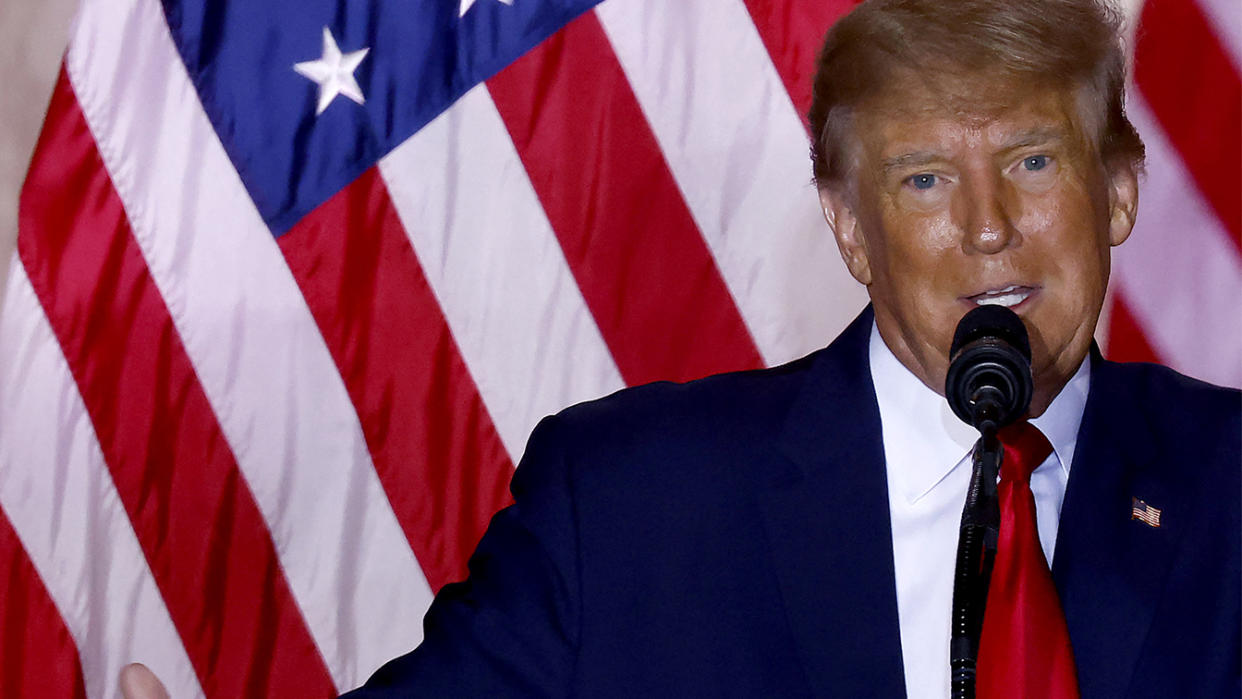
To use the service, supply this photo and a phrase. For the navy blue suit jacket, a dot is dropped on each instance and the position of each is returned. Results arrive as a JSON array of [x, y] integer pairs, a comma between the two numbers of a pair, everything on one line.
[[730, 537]]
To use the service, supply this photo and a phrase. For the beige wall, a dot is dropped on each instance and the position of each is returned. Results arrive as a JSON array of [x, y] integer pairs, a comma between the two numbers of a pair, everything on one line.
[[32, 39]]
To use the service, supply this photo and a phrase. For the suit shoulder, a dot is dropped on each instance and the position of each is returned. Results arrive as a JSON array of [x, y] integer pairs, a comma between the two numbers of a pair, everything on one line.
[[1195, 420], [756, 397], [1159, 387], [669, 435]]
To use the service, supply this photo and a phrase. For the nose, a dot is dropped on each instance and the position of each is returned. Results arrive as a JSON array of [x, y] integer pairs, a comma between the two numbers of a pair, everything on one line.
[[984, 205]]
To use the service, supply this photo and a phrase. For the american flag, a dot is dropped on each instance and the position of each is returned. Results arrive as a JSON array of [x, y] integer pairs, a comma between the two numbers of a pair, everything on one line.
[[294, 281], [1144, 513]]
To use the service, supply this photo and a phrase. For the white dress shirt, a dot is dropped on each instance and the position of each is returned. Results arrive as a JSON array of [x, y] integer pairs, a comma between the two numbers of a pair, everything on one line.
[[927, 455]]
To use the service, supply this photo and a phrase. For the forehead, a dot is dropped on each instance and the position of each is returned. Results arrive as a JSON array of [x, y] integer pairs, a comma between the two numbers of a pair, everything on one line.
[[913, 117]]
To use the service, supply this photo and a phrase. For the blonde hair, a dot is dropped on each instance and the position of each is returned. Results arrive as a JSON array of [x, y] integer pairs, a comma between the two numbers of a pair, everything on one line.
[[883, 45]]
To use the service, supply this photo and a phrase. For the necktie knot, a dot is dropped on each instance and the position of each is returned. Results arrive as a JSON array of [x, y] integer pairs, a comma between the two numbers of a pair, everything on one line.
[[1025, 448]]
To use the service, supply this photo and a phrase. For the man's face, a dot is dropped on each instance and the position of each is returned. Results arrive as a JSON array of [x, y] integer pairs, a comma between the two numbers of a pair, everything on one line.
[[951, 209]]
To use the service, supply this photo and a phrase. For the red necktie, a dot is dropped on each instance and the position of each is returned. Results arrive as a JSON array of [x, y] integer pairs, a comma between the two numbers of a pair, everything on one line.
[[1024, 649]]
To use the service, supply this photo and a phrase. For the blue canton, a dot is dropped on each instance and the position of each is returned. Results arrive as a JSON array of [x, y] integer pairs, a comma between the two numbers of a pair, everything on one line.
[[422, 57]]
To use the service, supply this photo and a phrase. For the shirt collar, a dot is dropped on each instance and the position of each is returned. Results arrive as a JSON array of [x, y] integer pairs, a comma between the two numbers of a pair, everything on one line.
[[924, 441], [1061, 420]]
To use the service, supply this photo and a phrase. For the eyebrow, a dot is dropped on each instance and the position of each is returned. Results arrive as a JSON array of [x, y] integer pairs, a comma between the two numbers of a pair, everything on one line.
[[1037, 136], [908, 160]]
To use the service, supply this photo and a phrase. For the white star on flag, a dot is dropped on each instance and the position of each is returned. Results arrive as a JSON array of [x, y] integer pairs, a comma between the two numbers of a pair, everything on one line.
[[465, 5], [334, 72]]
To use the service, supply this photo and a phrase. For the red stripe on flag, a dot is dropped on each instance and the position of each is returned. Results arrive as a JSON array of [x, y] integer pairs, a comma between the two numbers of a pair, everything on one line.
[[38, 657], [643, 267], [205, 540], [435, 449], [793, 31], [1193, 89], [1126, 340]]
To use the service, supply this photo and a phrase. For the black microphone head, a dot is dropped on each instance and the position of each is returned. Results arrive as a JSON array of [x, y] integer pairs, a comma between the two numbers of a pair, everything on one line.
[[996, 321], [989, 381]]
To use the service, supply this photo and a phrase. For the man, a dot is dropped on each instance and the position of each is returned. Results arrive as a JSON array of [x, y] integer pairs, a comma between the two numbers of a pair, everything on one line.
[[791, 532]]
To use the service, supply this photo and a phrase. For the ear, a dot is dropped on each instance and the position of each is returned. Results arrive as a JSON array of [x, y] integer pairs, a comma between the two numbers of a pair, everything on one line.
[[844, 224], [1123, 202]]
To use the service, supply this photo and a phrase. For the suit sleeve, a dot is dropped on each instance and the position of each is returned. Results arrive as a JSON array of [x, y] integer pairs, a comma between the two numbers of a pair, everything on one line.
[[511, 629]]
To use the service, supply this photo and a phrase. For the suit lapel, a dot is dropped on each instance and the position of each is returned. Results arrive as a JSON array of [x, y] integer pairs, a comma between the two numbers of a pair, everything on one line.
[[831, 538], [827, 518], [1109, 568]]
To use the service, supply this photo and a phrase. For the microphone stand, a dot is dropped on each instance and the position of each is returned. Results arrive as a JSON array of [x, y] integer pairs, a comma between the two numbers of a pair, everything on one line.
[[988, 385], [976, 553]]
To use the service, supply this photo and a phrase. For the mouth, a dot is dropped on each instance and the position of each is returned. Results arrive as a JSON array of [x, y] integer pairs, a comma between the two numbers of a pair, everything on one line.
[[1010, 296]]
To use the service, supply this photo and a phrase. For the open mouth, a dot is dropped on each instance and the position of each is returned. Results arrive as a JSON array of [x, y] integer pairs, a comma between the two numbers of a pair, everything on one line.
[[1008, 297]]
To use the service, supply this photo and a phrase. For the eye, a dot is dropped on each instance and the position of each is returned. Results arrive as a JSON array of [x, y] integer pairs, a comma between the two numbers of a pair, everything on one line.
[[1035, 162], [923, 181]]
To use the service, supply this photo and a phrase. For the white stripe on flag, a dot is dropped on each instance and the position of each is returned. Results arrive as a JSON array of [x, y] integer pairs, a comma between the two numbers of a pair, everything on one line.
[[1179, 271], [59, 495], [497, 269], [738, 150], [1226, 19], [253, 343]]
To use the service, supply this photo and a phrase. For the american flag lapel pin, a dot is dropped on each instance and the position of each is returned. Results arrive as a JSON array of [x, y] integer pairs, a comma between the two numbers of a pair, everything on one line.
[[1144, 513]]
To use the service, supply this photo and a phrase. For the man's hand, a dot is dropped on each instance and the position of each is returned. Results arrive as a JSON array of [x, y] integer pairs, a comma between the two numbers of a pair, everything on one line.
[[138, 682]]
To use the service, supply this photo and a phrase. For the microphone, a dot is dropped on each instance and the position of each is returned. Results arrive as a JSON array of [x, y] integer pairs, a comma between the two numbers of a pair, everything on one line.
[[989, 381], [988, 386]]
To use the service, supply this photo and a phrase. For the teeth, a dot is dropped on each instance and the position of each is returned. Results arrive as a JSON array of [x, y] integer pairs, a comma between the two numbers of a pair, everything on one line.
[[1006, 300], [1011, 295]]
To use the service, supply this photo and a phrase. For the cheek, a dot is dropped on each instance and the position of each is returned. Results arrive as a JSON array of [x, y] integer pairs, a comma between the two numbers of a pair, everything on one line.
[[1066, 231], [917, 237], [922, 267], [1073, 262], [1041, 216]]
